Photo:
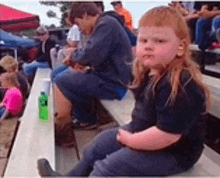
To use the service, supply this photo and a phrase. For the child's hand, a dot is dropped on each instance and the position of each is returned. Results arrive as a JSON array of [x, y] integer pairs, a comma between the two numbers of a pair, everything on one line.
[[124, 136]]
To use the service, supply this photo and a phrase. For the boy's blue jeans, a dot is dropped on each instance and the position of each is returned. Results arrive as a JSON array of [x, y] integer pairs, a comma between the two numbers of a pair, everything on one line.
[[31, 68], [81, 88], [106, 157], [206, 32]]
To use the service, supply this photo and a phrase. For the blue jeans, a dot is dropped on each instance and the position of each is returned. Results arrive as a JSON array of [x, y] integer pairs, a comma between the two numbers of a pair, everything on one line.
[[2, 111], [206, 32], [62, 69], [31, 68], [80, 89], [106, 157]]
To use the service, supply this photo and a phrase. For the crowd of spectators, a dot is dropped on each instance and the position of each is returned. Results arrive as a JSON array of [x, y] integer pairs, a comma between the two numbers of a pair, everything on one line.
[[203, 19], [165, 136], [96, 63]]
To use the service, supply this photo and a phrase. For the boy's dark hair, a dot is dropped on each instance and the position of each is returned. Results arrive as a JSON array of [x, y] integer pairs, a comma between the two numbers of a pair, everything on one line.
[[2, 70], [116, 2], [99, 4], [80, 8]]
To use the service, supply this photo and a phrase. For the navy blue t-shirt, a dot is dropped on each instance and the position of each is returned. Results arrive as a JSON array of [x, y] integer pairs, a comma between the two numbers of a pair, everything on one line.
[[183, 117]]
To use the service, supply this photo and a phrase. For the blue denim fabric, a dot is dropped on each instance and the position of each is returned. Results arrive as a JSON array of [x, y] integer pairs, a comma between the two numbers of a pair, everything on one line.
[[81, 88], [31, 68], [206, 32], [58, 71], [2, 111], [106, 157]]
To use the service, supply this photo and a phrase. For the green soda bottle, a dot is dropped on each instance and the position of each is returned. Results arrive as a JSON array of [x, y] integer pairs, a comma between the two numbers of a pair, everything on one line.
[[43, 106]]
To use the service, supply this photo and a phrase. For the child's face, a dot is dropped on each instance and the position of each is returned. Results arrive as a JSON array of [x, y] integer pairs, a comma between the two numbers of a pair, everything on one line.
[[156, 46]]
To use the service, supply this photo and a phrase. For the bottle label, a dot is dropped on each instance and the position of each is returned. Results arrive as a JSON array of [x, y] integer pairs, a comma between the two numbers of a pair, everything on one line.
[[43, 107]]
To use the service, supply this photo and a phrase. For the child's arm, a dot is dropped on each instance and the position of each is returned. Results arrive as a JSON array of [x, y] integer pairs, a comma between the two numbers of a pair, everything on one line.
[[149, 139]]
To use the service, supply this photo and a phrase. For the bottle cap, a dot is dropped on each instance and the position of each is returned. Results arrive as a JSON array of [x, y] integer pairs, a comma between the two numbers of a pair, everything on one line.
[[42, 93]]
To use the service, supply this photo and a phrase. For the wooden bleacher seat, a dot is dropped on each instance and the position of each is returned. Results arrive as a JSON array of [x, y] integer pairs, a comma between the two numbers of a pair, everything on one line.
[[195, 47], [214, 86], [34, 139], [208, 164]]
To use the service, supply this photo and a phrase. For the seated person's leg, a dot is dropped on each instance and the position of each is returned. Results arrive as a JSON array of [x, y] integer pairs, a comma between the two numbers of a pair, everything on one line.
[[31, 68], [63, 106], [215, 27], [203, 26], [192, 28], [97, 150], [81, 88], [58, 71]]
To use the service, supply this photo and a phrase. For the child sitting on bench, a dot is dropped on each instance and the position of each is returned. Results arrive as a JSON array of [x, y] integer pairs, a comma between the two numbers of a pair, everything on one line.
[[165, 136], [13, 101]]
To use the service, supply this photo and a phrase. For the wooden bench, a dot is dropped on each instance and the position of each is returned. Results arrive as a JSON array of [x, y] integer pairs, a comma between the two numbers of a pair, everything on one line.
[[34, 139], [209, 163], [195, 47], [214, 86]]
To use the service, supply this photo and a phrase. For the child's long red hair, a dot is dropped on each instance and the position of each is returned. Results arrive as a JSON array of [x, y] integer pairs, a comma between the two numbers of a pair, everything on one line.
[[164, 16]]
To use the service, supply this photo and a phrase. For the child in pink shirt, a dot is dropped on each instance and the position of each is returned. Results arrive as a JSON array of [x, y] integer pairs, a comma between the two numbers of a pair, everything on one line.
[[13, 101]]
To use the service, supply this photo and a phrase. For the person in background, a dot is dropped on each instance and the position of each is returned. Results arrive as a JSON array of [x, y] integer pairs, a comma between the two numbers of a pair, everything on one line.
[[207, 25], [58, 54], [123, 12], [166, 134], [189, 14], [120, 19], [43, 59], [99, 69], [10, 65], [2, 91], [12, 104]]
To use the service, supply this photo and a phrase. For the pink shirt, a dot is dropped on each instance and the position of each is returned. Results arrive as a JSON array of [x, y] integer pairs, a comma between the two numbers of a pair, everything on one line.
[[13, 101]]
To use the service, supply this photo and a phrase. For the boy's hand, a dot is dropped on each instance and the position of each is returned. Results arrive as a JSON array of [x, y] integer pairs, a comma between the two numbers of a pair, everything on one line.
[[81, 69], [124, 136], [69, 57]]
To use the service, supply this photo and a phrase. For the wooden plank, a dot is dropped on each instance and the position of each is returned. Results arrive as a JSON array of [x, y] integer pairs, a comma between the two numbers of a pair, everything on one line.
[[214, 68], [120, 110], [196, 48], [207, 165], [3, 162], [7, 131], [66, 158], [34, 139], [214, 86]]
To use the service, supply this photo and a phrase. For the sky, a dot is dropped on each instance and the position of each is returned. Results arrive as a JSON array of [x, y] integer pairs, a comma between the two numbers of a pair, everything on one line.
[[136, 7]]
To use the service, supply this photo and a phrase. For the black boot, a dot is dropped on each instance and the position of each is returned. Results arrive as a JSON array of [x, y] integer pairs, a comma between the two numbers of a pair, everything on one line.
[[45, 169]]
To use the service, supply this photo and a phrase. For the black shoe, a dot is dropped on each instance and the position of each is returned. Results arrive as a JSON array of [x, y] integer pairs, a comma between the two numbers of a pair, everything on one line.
[[84, 126], [45, 169]]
